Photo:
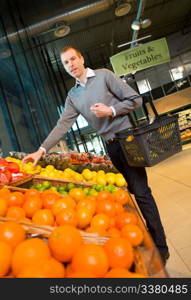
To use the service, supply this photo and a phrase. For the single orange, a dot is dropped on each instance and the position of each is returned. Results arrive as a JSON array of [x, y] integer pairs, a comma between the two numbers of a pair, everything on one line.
[[63, 202], [84, 217], [92, 259], [15, 199], [31, 193], [89, 203], [125, 218], [133, 233], [67, 216], [77, 194], [106, 206], [31, 205], [5, 258], [15, 212], [12, 233], [104, 195], [29, 252], [43, 217], [64, 241], [49, 199], [122, 196], [100, 220], [119, 252]]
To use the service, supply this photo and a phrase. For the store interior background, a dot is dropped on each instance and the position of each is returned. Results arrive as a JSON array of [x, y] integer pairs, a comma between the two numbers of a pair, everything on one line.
[[33, 83]]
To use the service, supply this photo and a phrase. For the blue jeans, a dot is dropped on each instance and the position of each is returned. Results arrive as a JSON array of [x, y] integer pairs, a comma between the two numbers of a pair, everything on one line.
[[136, 178]]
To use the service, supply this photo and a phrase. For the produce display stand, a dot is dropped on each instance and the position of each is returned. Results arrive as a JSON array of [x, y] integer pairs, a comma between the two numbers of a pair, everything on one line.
[[146, 257]]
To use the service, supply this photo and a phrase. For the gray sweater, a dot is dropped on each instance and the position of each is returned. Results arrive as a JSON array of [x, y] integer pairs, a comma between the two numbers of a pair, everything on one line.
[[105, 87]]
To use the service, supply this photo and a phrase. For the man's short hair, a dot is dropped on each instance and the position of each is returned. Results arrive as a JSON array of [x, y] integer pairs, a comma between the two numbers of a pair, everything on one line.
[[71, 47]]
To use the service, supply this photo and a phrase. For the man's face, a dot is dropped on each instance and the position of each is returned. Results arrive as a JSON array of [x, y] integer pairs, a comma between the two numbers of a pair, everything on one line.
[[73, 63]]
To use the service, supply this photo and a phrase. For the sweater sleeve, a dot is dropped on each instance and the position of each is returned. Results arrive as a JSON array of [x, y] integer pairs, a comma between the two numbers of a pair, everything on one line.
[[65, 122], [128, 98]]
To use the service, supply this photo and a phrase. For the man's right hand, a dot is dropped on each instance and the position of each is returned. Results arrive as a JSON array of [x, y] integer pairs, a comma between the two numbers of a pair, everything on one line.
[[35, 156]]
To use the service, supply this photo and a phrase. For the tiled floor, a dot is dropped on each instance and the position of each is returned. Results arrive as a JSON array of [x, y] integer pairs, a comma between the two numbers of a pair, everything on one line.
[[170, 182]]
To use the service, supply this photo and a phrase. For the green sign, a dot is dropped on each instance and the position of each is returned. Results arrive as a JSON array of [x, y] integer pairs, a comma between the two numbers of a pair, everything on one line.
[[141, 57]]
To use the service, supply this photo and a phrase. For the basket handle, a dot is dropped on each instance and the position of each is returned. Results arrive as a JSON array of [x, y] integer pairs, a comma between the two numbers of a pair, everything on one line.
[[153, 107], [133, 122]]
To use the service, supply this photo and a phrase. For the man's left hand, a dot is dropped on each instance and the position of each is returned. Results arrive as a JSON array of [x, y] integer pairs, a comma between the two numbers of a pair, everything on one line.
[[101, 110]]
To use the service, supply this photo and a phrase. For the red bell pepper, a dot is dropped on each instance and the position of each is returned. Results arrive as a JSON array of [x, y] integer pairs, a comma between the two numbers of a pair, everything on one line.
[[13, 167], [5, 176]]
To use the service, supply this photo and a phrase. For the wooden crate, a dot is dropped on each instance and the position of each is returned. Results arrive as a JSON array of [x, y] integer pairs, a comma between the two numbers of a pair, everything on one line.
[[54, 182]]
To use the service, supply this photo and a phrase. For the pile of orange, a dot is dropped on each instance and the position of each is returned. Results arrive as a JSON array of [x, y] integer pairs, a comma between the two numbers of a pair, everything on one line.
[[103, 214], [51, 208], [65, 254]]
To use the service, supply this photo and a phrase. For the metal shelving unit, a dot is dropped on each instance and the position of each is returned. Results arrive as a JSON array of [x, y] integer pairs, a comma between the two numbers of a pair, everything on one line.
[[184, 120]]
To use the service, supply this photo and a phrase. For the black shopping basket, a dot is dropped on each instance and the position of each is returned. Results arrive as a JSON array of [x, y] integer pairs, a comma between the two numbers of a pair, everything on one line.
[[147, 145]]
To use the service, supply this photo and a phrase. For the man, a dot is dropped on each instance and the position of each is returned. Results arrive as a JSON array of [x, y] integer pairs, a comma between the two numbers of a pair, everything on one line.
[[105, 100]]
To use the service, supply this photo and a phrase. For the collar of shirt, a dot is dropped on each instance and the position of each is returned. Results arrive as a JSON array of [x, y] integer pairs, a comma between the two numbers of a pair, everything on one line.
[[90, 73]]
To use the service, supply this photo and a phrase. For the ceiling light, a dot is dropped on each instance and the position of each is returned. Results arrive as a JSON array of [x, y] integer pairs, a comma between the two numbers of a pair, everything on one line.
[[123, 8], [61, 31], [145, 23], [136, 25]]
